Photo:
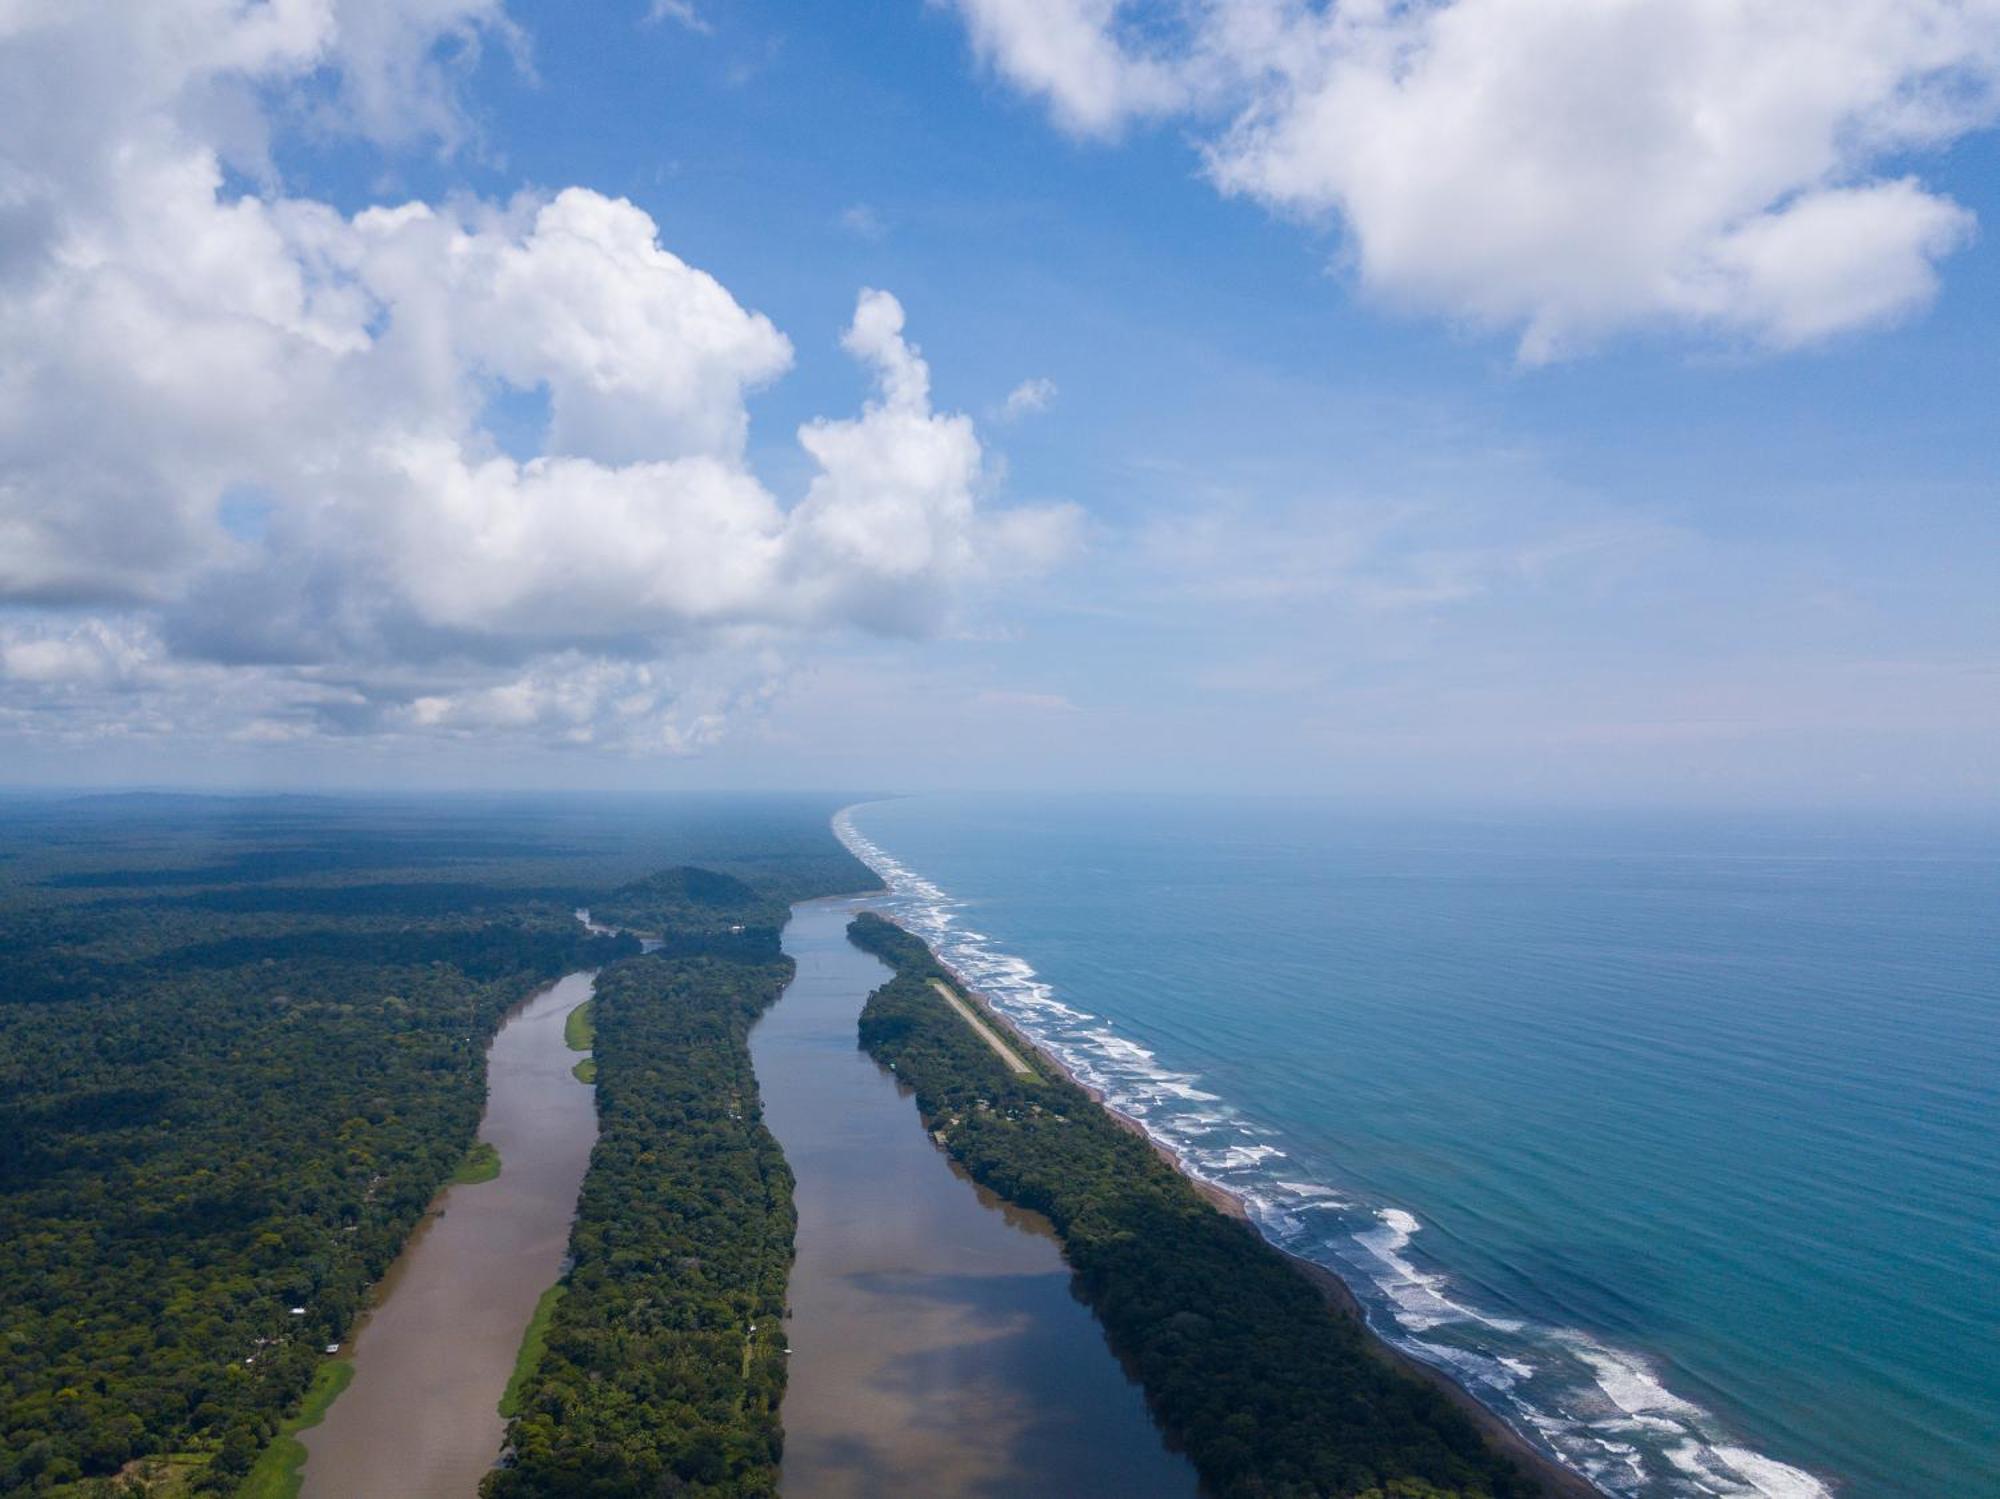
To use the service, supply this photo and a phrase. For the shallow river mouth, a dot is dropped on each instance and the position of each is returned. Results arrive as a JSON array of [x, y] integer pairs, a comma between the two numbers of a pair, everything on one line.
[[936, 1347], [421, 1419]]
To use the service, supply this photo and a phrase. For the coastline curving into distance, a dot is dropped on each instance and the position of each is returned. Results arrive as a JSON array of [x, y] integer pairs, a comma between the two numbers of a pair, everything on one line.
[[1601, 1410], [1267, 1387]]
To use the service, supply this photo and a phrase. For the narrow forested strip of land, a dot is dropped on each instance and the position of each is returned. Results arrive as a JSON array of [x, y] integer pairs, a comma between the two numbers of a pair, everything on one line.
[[1271, 1391], [664, 1363]]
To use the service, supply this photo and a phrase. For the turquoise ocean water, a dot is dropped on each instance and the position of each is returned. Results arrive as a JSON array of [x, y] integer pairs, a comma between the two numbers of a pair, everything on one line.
[[1678, 1140]]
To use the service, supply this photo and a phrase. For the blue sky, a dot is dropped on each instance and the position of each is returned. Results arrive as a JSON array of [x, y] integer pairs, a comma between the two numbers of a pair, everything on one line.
[[1307, 515]]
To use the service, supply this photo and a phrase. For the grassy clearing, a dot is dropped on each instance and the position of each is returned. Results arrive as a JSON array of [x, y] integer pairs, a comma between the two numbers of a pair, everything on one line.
[[481, 1164], [280, 1469], [580, 1029], [586, 1070], [533, 1342]]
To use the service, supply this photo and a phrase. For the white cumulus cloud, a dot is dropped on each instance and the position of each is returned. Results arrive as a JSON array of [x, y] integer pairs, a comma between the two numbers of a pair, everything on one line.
[[184, 343], [891, 524], [1562, 171], [1079, 56]]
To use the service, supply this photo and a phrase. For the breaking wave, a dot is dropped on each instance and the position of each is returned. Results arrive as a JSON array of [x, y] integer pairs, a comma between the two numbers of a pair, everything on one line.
[[1600, 1410]]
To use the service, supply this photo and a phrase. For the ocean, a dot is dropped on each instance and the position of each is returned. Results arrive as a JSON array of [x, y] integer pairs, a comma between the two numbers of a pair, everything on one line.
[[1676, 1139]]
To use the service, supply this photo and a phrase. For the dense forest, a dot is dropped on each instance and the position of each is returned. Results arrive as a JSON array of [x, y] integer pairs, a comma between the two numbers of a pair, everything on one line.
[[693, 912], [1271, 1391], [188, 1156], [664, 1362], [241, 1047]]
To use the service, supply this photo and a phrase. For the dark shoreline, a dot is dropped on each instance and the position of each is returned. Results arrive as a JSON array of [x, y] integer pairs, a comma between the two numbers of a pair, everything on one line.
[[1560, 1481]]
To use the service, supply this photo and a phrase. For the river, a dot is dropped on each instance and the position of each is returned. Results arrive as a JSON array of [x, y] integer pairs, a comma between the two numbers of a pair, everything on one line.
[[421, 1419], [936, 1346]]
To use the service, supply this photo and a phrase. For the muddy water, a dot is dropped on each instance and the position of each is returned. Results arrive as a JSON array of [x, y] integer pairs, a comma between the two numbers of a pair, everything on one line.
[[936, 1348], [420, 1420]]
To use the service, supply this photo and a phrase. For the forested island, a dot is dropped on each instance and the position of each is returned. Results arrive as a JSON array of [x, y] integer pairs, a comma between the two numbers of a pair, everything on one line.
[[664, 1362], [1270, 1391]]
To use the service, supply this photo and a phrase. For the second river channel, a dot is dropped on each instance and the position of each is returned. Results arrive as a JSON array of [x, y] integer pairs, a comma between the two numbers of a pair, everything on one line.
[[936, 1347]]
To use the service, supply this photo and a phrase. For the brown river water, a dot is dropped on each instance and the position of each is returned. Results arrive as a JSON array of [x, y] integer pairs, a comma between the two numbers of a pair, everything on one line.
[[421, 1419], [936, 1346]]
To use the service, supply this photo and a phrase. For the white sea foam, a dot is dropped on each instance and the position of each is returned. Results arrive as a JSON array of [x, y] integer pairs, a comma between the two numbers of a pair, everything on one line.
[[1402, 1223], [1630, 1385], [1311, 1194], [1771, 1478], [1239, 1155], [1603, 1411]]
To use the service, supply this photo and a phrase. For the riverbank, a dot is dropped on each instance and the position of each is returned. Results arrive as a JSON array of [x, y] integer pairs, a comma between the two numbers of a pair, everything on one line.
[[663, 1363], [1552, 1477], [935, 1344], [432, 1357], [277, 1473]]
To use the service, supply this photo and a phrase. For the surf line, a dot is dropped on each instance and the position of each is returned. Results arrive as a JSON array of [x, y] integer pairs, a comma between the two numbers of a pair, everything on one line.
[[1601, 1411]]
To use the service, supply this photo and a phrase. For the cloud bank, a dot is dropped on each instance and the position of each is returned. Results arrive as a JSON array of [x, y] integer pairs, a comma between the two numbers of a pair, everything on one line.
[[249, 470], [1742, 168]]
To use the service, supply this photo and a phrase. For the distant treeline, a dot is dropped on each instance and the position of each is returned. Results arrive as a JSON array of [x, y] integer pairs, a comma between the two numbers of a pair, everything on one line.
[[697, 912], [665, 1359], [1271, 1392]]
